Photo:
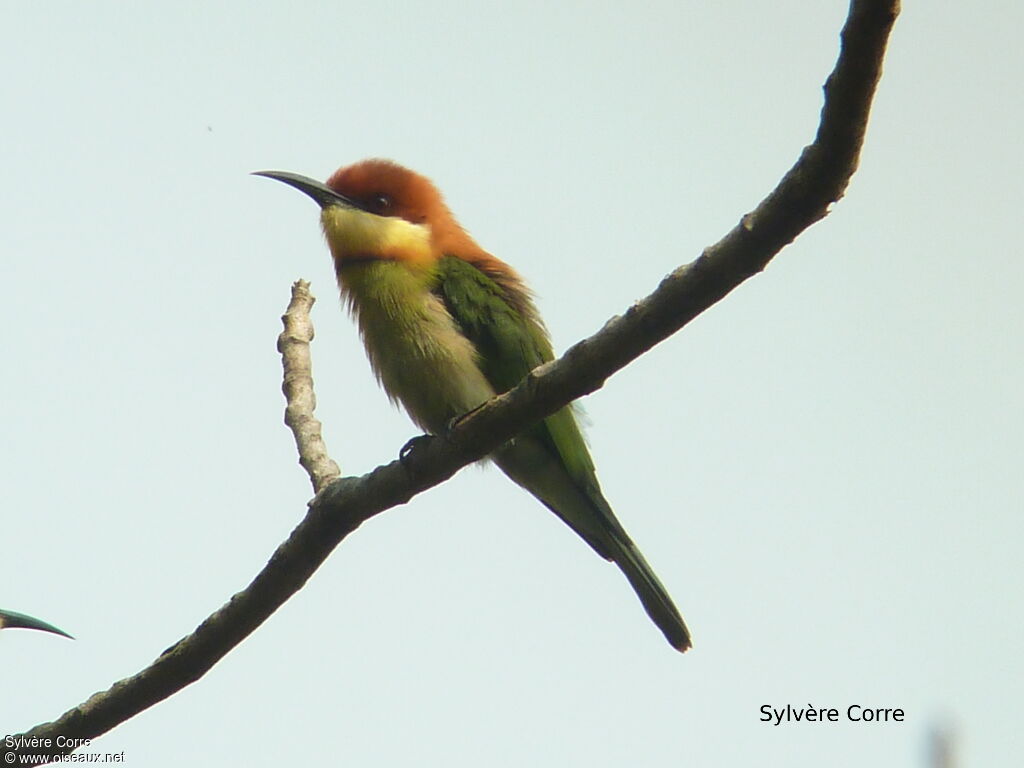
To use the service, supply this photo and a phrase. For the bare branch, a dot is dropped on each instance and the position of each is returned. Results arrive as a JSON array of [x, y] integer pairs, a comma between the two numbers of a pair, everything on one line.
[[804, 195], [293, 344]]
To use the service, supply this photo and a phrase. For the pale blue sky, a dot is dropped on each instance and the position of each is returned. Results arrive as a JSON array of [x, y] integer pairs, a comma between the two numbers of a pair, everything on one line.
[[824, 469]]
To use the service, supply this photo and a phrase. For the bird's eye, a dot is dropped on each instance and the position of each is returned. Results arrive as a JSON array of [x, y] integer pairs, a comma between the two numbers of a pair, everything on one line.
[[380, 203]]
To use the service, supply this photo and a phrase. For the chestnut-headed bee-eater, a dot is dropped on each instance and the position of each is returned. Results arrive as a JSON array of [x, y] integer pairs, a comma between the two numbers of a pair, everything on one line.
[[446, 326]]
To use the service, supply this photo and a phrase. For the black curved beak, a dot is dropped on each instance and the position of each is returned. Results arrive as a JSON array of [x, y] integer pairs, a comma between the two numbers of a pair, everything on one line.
[[320, 192], [13, 620]]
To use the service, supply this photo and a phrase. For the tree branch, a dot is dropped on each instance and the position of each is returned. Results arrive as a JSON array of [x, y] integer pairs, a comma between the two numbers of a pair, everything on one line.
[[818, 179], [293, 344]]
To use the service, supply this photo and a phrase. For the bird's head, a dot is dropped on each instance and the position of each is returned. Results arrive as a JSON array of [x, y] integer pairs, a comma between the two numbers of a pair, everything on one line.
[[378, 210]]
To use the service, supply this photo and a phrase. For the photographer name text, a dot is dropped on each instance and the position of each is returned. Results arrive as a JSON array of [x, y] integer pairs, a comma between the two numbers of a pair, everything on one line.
[[855, 713]]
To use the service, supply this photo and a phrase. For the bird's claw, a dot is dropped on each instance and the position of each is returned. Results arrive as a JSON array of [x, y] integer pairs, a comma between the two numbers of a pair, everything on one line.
[[449, 426], [405, 455], [454, 421]]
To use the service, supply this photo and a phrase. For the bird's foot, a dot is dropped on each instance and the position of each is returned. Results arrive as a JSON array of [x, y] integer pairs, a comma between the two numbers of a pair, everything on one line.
[[450, 425], [405, 456], [454, 421]]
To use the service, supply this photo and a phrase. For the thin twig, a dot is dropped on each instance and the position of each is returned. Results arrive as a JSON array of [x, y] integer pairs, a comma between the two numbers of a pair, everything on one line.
[[293, 344]]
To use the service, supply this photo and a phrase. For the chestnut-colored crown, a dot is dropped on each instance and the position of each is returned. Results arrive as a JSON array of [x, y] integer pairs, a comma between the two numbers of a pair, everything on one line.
[[386, 188]]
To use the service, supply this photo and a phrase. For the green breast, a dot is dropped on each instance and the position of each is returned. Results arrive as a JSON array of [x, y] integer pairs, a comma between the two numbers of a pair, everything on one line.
[[416, 350]]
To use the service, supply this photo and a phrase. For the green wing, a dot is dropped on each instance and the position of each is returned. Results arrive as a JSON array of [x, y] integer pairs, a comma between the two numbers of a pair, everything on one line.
[[511, 343], [550, 459]]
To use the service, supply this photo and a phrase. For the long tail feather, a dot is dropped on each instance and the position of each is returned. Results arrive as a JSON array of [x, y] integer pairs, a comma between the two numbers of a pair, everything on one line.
[[585, 510], [652, 594]]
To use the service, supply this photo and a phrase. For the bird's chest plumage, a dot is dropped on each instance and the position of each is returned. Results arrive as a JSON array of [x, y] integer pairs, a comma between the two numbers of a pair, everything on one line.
[[416, 349]]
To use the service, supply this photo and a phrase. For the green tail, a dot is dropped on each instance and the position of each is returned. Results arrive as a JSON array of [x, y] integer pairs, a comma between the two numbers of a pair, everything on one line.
[[652, 594], [584, 509], [550, 459]]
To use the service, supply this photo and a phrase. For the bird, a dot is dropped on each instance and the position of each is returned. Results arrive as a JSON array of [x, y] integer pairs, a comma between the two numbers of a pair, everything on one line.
[[14, 620], [447, 326]]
